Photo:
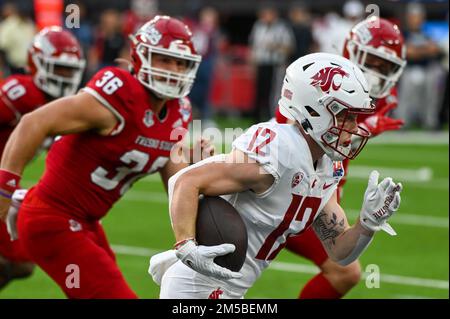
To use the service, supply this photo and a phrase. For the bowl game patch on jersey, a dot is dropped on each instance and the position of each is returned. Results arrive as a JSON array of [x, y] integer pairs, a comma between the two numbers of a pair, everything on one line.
[[296, 179], [185, 109], [338, 169]]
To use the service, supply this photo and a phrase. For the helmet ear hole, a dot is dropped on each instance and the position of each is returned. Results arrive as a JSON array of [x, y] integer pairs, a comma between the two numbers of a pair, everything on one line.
[[311, 111]]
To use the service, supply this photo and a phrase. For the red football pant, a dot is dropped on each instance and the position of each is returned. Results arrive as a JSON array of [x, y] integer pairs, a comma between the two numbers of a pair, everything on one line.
[[74, 253], [11, 250], [308, 245]]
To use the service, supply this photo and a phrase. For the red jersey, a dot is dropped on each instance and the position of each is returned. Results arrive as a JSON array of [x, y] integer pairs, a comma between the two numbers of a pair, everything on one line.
[[87, 173], [392, 97], [18, 95]]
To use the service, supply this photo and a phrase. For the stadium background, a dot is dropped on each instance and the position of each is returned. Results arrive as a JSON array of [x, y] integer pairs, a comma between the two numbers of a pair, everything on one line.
[[413, 265]]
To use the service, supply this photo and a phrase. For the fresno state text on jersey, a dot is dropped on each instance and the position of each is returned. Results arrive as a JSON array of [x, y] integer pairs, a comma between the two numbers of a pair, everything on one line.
[[87, 173]]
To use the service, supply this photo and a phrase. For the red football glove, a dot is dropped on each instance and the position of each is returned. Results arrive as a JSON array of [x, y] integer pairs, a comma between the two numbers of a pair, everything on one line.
[[379, 123]]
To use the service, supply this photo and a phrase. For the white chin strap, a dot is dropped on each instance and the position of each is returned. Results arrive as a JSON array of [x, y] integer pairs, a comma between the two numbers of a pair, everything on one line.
[[330, 152]]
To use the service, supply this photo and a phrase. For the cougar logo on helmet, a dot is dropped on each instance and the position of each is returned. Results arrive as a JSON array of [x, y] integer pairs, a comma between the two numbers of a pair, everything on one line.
[[325, 78]]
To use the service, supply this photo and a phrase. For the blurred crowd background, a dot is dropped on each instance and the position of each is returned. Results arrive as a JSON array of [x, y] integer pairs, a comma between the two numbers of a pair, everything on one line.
[[246, 46]]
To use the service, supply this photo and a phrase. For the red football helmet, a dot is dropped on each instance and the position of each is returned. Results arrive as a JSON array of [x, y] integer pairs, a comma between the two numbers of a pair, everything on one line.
[[170, 37], [377, 47], [55, 59]]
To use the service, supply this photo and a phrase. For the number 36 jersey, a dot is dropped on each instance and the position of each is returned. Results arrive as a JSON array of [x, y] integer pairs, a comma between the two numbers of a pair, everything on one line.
[[87, 173], [293, 201]]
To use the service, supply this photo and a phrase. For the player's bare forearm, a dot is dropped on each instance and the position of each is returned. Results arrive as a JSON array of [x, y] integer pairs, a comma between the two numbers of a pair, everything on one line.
[[229, 176], [342, 242], [68, 115], [338, 239], [182, 156], [183, 209], [170, 169], [208, 179], [23, 143]]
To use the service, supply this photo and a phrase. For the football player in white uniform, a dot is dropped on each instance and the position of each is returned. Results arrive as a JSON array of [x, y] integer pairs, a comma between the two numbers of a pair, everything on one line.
[[281, 178]]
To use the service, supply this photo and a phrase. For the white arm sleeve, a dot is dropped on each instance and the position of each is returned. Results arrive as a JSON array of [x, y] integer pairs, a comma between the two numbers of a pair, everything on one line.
[[361, 245]]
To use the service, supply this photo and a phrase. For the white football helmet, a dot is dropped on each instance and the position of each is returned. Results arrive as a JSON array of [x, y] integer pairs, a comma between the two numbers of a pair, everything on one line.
[[324, 93]]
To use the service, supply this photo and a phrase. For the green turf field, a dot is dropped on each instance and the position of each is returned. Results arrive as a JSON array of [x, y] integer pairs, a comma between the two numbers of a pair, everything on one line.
[[413, 265]]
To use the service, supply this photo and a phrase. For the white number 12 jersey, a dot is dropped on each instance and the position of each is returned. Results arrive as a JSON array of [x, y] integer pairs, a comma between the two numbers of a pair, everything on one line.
[[290, 205]]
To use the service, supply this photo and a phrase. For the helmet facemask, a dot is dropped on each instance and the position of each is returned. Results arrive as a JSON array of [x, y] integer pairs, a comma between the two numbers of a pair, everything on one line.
[[167, 84], [331, 137], [58, 76], [366, 57], [343, 138]]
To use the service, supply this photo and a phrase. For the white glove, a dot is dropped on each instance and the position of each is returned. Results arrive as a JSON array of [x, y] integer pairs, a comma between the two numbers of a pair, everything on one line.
[[201, 259], [11, 217], [159, 264], [381, 201]]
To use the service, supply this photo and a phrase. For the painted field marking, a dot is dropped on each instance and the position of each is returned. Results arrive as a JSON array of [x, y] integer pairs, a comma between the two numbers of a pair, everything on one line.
[[302, 268], [423, 174], [400, 218]]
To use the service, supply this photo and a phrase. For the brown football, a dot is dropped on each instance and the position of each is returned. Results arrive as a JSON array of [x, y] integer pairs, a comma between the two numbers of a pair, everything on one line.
[[218, 222]]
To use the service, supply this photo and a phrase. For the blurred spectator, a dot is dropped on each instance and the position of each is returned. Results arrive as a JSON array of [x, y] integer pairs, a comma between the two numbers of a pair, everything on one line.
[[272, 43], [443, 112], [300, 20], [330, 31], [84, 33], [419, 85], [16, 33], [206, 39], [140, 12], [109, 43]]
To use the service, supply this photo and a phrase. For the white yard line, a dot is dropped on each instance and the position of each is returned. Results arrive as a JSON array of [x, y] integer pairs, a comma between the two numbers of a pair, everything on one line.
[[410, 297], [410, 219], [415, 138], [393, 279], [421, 177], [400, 218], [423, 174], [302, 268]]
